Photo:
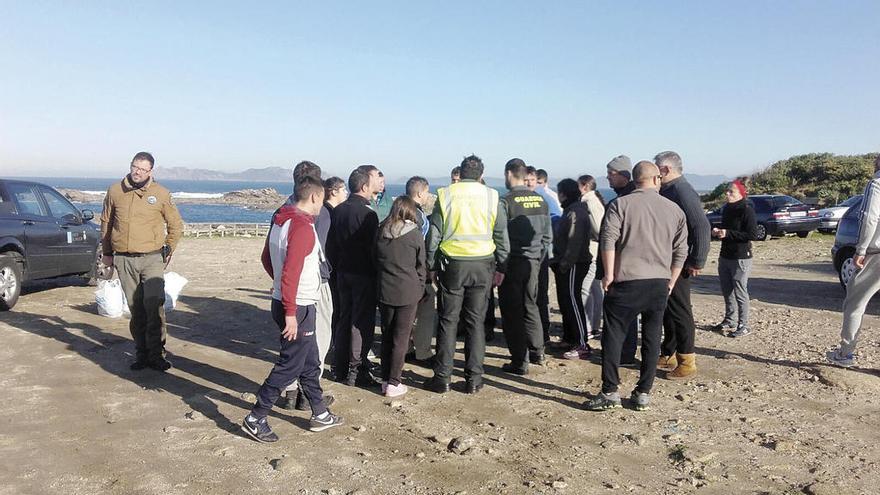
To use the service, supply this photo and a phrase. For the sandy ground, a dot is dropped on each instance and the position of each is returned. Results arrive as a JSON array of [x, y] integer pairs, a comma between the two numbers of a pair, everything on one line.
[[764, 415]]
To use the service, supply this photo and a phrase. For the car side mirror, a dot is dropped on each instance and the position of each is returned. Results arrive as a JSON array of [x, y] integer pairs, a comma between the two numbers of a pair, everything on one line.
[[87, 215], [71, 219]]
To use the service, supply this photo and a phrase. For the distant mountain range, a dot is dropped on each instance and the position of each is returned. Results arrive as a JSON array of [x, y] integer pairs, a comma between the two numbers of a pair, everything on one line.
[[281, 174], [267, 174]]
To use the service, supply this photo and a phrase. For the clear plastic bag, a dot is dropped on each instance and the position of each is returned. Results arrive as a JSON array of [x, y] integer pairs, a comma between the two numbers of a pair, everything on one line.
[[174, 284], [110, 298]]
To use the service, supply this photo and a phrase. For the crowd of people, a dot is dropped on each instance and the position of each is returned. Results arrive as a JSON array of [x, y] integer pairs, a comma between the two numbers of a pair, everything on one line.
[[339, 251]]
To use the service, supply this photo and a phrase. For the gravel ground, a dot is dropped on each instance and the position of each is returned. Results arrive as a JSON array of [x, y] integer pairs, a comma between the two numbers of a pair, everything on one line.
[[763, 415]]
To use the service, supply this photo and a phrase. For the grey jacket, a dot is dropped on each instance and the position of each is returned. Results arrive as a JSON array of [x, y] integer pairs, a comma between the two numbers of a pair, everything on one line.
[[648, 233]]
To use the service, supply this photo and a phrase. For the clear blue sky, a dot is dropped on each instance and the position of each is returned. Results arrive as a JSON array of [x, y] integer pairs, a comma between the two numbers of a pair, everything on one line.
[[414, 86]]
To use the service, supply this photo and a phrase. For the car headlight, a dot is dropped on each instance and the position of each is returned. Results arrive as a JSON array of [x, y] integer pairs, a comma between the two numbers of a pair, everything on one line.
[[828, 214]]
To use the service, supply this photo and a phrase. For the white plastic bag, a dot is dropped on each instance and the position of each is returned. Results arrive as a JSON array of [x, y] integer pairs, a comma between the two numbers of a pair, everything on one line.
[[110, 298], [174, 283]]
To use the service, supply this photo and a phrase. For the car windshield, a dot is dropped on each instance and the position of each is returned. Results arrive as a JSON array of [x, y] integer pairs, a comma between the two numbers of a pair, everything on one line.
[[851, 201], [787, 201], [761, 204]]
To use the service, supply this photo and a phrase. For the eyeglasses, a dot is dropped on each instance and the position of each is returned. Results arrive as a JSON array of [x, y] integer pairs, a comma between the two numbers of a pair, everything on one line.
[[139, 169]]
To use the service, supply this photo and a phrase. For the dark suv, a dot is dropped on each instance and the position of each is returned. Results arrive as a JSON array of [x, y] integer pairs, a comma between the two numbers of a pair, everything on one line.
[[777, 215], [42, 235]]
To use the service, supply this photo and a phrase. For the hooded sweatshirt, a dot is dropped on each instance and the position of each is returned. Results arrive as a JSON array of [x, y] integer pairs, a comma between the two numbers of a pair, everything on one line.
[[571, 243], [292, 257], [400, 263], [869, 214]]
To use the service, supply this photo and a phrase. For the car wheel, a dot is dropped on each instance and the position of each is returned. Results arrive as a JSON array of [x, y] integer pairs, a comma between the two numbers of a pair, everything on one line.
[[804, 235], [847, 270], [761, 233], [10, 281]]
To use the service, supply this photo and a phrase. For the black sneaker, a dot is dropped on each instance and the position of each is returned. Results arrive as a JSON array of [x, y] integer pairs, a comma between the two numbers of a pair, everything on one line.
[[329, 421], [367, 380], [741, 331], [604, 402], [159, 364], [724, 325], [521, 370], [138, 365], [302, 404], [437, 385], [258, 429], [286, 402], [473, 387], [640, 400], [538, 359]]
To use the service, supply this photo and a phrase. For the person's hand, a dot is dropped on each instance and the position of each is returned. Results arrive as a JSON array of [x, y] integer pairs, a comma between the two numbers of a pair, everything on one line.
[[693, 272], [107, 260], [607, 280], [498, 279], [290, 327], [859, 261], [722, 233], [669, 289]]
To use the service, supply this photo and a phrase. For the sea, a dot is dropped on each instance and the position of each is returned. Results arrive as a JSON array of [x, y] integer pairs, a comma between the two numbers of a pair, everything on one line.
[[205, 189]]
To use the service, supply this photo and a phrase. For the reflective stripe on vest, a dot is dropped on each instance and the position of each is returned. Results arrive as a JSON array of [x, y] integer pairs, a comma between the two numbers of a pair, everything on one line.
[[469, 210]]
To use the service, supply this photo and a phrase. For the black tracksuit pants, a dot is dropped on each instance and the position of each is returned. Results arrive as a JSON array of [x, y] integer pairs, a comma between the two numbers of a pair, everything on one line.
[[517, 297], [678, 320], [356, 324], [571, 304], [397, 323], [298, 360], [623, 302], [544, 296], [463, 287]]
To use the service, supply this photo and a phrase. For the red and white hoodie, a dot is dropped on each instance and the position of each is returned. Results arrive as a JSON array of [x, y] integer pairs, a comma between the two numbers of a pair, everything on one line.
[[292, 257]]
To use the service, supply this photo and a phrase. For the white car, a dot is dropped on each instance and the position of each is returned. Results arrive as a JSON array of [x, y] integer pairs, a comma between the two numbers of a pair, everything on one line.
[[830, 217]]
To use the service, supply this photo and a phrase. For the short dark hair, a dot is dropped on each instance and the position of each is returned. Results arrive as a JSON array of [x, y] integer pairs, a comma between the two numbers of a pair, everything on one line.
[[569, 187], [143, 156], [360, 177], [306, 186], [456, 171], [587, 181], [517, 168], [415, 184], [530, 170], [306, 168], [332, 184], [541, 174], [471, 167]]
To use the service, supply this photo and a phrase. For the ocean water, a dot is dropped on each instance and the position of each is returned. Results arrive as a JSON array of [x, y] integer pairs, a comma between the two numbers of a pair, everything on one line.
[[205, 189]]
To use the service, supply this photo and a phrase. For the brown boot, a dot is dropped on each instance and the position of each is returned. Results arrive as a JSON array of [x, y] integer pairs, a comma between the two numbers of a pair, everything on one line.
[[667, 363], [687, 367]]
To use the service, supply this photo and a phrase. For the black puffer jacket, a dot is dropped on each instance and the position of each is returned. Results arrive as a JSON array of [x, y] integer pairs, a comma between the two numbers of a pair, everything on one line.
[[571, 242]]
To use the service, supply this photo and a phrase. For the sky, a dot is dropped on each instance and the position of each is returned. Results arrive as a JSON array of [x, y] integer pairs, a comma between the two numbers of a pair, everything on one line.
[[412, 87]]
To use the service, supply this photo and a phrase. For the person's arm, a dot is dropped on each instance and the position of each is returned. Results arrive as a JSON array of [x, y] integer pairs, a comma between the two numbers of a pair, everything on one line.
[[173, 224], [609, 234], [435, 235], [868, 217], [597, 211], [576, 233], [369, 229], [421, 269], [749, 230], [107, 231], [500, 237], [546, 235], [698, 226], [608, 259], [679, 250], [266, 257]]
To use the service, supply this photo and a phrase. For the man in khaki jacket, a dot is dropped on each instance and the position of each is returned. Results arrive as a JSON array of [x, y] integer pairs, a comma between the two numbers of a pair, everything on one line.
[[137, 214]]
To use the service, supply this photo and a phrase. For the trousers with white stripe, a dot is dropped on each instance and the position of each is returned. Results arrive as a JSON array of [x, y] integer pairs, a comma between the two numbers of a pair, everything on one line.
[[568, 294]]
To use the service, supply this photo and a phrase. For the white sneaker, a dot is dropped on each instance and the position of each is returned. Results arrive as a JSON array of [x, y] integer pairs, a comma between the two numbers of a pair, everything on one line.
[[836, 358], [396, 390]]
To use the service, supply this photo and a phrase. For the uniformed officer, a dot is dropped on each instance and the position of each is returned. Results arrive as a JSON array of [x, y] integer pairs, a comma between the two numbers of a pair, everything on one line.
[[140, 228], [467, 246], [530, 231]]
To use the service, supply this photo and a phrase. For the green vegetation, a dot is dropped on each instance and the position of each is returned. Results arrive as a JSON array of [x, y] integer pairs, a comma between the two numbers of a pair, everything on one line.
[[828, 177]]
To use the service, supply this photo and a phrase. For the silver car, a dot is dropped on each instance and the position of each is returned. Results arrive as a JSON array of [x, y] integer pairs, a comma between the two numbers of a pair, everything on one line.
[[831, 216]]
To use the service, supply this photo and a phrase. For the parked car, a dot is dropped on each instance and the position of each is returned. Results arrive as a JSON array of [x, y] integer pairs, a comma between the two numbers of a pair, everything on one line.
[[42, 235], [777, 215], [830, 217], [845, 243]]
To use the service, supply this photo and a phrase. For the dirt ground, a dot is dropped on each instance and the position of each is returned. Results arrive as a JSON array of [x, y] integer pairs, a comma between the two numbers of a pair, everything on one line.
[[764, 414]]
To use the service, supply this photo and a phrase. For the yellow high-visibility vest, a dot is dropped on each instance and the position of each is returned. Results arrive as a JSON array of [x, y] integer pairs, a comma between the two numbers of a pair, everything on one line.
[[469, 210]]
